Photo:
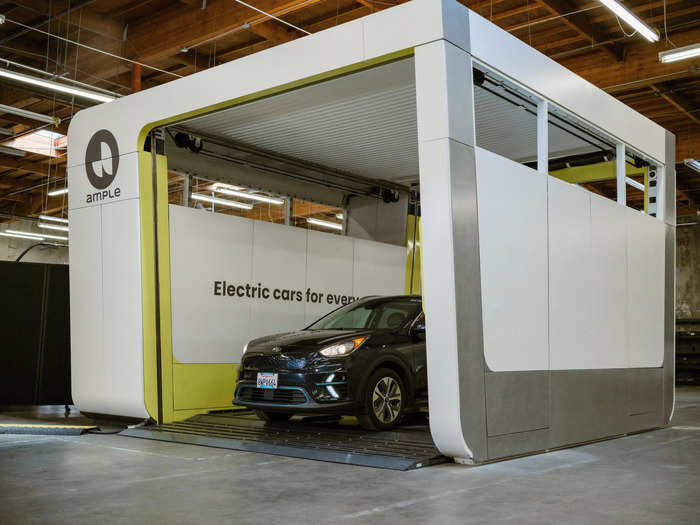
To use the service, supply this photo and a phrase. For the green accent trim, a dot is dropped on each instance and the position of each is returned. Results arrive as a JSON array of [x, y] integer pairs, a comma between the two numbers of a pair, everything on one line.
[[595, 172]]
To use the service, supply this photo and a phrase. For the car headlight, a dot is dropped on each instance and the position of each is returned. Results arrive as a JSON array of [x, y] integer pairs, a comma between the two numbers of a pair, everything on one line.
[[343, 349]]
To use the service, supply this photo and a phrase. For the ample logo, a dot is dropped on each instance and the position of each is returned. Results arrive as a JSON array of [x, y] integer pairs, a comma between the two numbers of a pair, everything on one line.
[[102, 148]]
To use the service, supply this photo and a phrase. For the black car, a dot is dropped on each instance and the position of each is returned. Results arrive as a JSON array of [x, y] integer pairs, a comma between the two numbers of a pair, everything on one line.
[[365, 359]]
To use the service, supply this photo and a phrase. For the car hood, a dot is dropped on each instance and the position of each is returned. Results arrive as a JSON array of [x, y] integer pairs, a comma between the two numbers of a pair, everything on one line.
[[303, 340]]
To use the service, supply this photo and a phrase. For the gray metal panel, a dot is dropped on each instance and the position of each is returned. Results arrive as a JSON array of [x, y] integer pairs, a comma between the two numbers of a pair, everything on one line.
[[644, 385], [516, 402], [375, 220], [670, 279], [467, 273], [586, 405], [520, 443]]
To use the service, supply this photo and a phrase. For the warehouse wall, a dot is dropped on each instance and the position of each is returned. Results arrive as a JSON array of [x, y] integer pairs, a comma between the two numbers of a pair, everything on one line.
[[11, 248], [688, 272]]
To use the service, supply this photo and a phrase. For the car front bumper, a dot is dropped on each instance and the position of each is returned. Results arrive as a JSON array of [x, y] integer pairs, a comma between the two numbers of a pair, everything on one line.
[[322, 387]]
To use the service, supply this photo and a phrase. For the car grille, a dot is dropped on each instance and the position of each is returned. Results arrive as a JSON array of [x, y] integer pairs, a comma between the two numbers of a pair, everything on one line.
[[282, 396], [266, 363]]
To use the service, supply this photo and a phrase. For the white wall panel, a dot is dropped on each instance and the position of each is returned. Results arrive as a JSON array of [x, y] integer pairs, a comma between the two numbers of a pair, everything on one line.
[[645, 263], [85, 270], [570, 296], [274, 246], [121, 289], [378, 268], [207, 247], [513, 249], [329, 270], [609, 283]]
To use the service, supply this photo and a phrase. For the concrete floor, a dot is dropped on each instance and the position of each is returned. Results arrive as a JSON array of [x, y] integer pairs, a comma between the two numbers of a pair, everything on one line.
[[646, 478]]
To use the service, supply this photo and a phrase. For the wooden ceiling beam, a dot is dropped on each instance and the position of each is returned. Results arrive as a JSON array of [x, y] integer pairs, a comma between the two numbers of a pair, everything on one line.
[[682, 104], [580, 23]]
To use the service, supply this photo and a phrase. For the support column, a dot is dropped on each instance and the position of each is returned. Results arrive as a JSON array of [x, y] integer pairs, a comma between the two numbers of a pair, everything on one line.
[[450, 250], [621, 173], [135, 77], [543, 137]]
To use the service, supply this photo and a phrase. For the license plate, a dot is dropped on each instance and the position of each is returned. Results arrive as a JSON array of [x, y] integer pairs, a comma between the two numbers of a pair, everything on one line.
[[267, 380]]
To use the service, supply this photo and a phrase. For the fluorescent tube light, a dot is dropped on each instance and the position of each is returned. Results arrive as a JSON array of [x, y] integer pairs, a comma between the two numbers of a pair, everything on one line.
[[12, 151], [325, 224], [29, 114], [62, 191], [52, 218], [252, 196], [55, 86], [339, 216], [680, 53], [223, 202], [628, 180], [40, 236], [20, 236], [627, 15], [53, 227], [692, 164]]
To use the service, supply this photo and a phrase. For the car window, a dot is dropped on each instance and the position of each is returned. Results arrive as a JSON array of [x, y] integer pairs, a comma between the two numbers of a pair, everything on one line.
[[380, 314]]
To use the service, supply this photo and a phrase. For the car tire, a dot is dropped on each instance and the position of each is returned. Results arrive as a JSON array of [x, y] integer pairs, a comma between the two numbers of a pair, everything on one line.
[[384, 400], [273, 417]]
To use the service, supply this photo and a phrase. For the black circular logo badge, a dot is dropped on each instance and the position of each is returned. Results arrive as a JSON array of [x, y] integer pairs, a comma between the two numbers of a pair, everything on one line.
[[93, 154]]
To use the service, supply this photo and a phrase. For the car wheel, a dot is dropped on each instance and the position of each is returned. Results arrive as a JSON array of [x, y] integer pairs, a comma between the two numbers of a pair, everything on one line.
[[385, 400], [273, 417]]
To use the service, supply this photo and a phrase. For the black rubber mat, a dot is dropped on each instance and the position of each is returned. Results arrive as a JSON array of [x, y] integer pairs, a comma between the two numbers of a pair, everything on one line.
[[319, 438]]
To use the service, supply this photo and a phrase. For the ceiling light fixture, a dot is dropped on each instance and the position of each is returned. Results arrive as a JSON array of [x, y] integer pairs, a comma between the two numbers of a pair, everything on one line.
[[627, 15], [223, 202], [52, 218], [680, 53], [692, 164], [55, 86], [30, 114], [61, 191], [251, 196], [339, 216], [21, 236], [53, 227], [12, 151], [40, 236], [325, 224]]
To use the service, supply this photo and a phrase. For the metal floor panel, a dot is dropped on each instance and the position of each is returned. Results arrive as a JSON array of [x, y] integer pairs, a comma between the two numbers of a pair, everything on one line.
[[319, 438]]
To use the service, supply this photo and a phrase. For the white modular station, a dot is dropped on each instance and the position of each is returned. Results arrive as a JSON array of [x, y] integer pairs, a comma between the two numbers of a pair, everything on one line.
[[549, 309]]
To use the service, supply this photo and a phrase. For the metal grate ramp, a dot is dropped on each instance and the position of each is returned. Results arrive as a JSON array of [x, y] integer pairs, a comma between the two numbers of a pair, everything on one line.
[[325, 439]]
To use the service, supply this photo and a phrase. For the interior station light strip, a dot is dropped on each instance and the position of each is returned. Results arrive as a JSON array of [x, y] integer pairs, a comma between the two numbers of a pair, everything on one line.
[[680, 53], [61, 191], [251, 196], [223, 202], [627, 15], [325, 224], [692, 164]]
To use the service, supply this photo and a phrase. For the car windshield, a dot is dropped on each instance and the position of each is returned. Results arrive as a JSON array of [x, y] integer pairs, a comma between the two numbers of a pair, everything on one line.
[[384, 314]]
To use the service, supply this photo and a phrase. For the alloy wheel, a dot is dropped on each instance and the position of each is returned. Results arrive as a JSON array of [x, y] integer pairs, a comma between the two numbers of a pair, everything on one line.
[[386, 399]]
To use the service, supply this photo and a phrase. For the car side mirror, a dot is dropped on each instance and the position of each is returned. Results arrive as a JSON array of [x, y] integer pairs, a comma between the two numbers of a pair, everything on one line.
[[418, 331]]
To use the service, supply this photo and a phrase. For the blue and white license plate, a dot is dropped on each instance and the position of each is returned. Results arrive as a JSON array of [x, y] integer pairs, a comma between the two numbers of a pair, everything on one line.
[[267, 380]]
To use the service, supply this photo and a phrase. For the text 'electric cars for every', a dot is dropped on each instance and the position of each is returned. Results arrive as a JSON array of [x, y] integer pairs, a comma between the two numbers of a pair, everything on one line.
[[365, 359]]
